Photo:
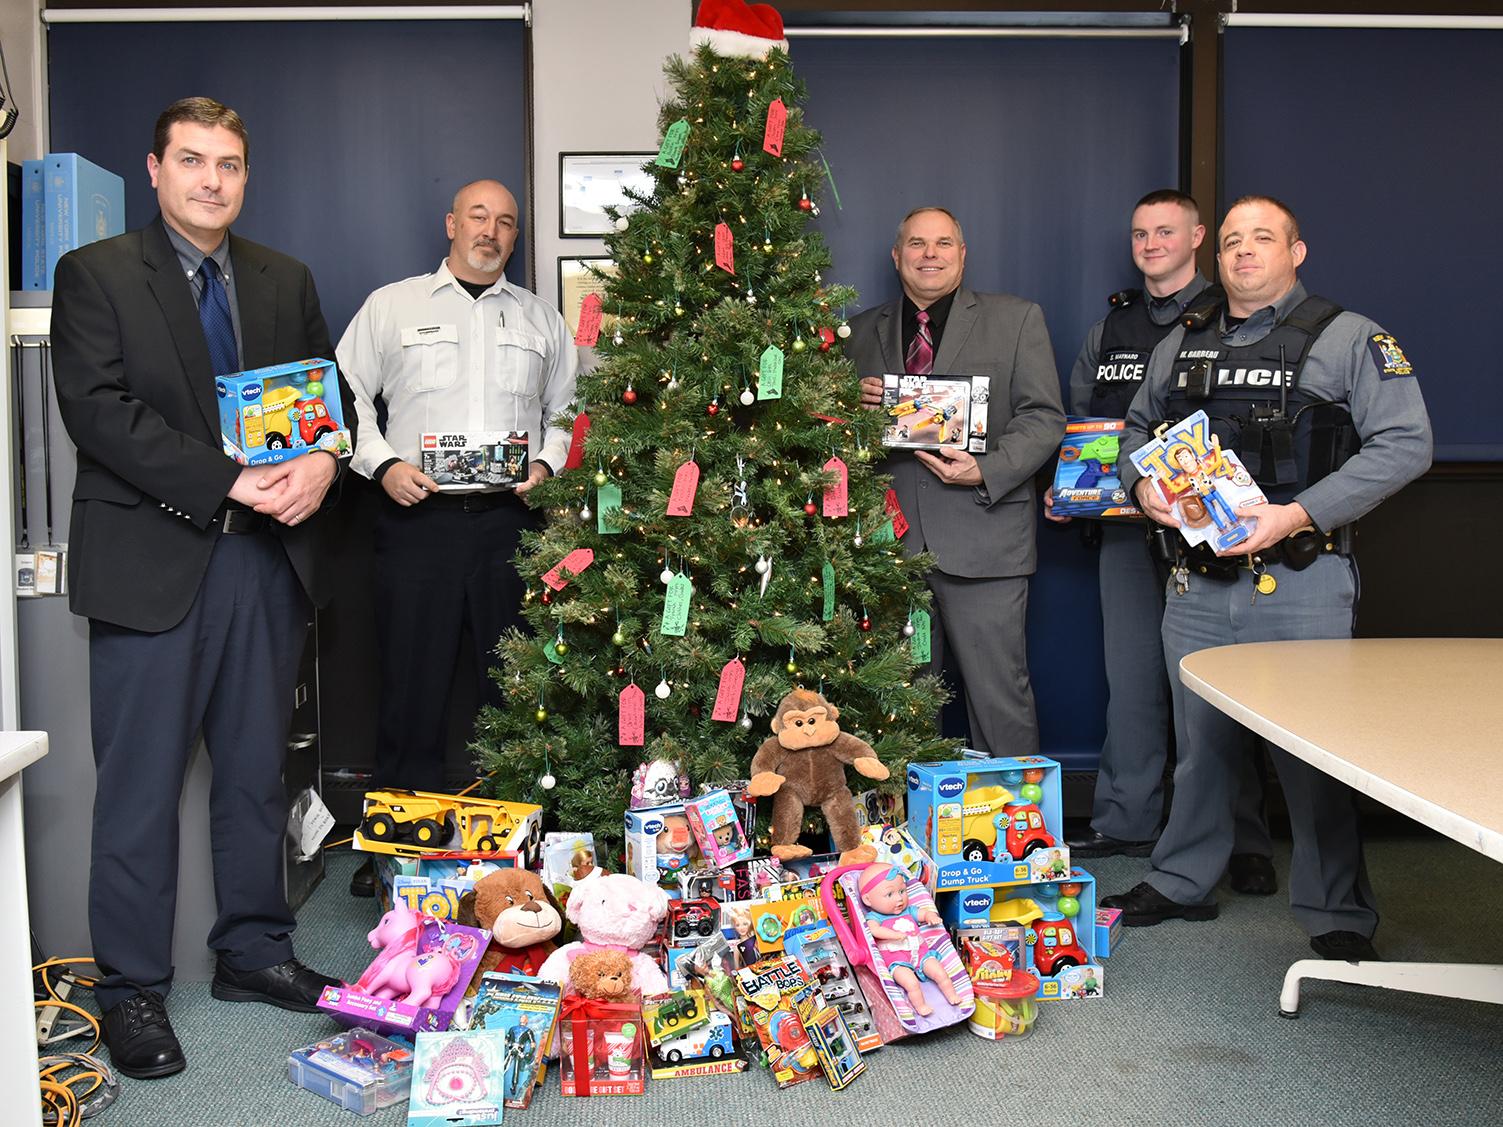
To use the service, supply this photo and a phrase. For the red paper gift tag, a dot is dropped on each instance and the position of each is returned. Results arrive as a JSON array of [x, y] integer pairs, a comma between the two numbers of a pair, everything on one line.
[[685, 483], [725, 251], [575, 562], [728, 696], [777, 121], [631, 721], [575, 458], [589, 321], [899, 521], [835, 496]]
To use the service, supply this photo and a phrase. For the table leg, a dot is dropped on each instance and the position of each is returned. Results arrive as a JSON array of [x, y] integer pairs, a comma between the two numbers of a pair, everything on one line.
[[1469, 981]]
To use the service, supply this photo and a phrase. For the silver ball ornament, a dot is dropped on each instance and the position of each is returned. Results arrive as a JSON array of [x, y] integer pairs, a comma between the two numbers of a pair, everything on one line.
[[666, 576], [762, 565], [908, 630], [745, 722], [585, 513], [547, 782], [663, 691], [843, 331], [747, 398], [858, 540]]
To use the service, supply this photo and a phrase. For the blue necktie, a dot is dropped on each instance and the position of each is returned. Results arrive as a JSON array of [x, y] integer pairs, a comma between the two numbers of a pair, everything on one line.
[[214, 315]]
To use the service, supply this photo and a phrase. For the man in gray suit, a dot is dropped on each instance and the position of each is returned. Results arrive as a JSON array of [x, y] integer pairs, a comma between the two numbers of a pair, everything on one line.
[[973, 512]]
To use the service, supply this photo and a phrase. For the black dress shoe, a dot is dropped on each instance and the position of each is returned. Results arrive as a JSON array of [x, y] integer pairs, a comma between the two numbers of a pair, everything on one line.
[[1252, 874], [142, 1044], [1346, 945], [289, 985], [1144, 906], [363, 882], [1096, 844]]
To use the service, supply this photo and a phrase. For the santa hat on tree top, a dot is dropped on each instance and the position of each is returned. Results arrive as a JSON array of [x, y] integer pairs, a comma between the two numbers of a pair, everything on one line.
[[736, 28]]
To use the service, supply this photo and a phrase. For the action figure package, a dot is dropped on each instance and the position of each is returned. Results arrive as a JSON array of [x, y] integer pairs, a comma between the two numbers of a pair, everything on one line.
[[1088, 478], [457, 1079], [1209, 487], [463, 463], [359, 1070], [525, 1011], [928, 412]]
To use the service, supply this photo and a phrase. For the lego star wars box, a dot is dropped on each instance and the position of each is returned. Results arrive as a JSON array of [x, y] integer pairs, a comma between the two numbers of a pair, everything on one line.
[[1088, 478], [464, 463], [927, 412]]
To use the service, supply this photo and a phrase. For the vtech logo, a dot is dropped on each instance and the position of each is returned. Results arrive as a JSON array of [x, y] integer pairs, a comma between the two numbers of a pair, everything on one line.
[[977, 902], [951, 787], [250, 392], [652, 826], [913, 780], [222, 388]]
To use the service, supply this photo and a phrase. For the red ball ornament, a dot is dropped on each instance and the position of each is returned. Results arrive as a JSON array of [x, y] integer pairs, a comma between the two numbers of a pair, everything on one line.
[[805, 203], [714, 406], [866, 624], [547, 596], [824, 346], [738, 164], [809, 508], [629, 396]]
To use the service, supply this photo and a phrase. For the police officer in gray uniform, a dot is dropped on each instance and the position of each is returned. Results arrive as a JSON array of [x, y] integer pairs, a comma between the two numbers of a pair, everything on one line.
[[1165, 233], [1324, 410]]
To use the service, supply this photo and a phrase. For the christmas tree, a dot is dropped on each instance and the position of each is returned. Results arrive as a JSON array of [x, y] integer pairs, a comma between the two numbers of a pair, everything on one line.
[[721, 362]]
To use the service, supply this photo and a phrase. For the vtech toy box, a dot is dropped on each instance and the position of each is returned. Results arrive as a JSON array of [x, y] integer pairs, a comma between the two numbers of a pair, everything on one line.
[[269, 415], [989, 821]]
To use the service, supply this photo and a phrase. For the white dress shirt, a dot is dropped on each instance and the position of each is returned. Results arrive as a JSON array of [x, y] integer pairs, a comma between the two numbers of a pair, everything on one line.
[[446, 362]]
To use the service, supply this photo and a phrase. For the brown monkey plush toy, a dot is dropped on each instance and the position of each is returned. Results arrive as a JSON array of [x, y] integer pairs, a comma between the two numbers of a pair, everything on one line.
[[804, 765]]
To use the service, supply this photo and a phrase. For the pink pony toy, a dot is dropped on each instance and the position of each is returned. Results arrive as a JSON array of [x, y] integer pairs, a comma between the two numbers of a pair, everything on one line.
[[400, 969]]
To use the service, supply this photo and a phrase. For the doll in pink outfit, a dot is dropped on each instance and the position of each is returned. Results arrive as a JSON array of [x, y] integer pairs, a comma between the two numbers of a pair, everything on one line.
[[898, 931]]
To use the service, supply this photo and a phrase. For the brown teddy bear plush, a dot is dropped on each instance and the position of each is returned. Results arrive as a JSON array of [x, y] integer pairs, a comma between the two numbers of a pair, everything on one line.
[[803, 764], [604, 975], [523, 920]]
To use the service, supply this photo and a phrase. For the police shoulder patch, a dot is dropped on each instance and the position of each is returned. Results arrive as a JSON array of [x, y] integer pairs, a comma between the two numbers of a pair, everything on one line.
[[1388, 356]]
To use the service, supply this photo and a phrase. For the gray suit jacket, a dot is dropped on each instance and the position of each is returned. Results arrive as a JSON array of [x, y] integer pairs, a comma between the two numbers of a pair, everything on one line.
[[985, 531]]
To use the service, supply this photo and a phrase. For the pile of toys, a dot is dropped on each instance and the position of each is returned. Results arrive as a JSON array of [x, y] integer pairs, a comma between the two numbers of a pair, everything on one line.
[[702, 957]]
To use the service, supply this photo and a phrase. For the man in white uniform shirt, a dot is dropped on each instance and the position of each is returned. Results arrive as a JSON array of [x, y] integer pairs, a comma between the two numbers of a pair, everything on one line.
[[460, 350]]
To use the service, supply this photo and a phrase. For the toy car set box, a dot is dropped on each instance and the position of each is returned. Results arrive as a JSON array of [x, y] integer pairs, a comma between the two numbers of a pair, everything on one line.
[[1088, 477], [928, 412], [269, 415], [988, 822], [359, 1070], [823, 959], [706, 1050], [464, 463], [414, 822]]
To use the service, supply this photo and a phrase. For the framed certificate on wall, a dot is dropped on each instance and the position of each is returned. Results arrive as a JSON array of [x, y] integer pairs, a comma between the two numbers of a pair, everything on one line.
[[590, 182], [576, 280]]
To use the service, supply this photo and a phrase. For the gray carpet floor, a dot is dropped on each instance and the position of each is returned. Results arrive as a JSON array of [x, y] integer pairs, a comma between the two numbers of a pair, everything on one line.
[[1187, 1033]]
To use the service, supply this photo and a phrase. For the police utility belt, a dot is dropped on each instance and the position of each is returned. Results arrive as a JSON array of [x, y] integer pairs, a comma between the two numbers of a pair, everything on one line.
[[1286, 438]]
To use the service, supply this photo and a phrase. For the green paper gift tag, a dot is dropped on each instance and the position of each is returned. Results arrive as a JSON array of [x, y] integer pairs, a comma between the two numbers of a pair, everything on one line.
[[607, 502], [770, 374], [921, 642], [550, 651], [885, 534], [828, 613], [676, 607], [673, 144]]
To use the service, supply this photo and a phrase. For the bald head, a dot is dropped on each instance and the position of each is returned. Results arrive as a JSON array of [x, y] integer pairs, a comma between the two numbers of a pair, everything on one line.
[[482, 229]]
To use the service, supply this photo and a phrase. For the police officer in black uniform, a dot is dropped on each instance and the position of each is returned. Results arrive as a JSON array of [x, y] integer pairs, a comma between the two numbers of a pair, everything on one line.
[[1165, 233], [1323, 408]]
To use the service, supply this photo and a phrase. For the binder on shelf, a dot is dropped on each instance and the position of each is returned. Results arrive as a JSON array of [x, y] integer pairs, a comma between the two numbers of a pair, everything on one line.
[[84, 203]]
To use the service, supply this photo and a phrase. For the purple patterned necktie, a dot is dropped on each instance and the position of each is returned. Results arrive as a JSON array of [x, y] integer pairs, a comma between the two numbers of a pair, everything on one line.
[[920, 358]]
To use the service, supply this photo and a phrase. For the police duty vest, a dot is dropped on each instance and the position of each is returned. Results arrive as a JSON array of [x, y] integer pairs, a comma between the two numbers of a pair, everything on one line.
[[1128, 338], [1287, 438]]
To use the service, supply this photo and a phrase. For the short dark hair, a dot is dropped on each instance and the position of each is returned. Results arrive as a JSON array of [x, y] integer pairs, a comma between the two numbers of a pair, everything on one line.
[[1170, 195], [1292, 222], [199, 111]]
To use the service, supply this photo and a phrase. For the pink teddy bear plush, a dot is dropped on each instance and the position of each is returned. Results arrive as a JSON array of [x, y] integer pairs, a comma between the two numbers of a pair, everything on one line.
[[613, 912]]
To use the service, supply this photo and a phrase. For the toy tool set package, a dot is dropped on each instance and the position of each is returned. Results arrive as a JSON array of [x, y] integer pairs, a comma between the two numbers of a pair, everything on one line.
[[359, 1070], [1214, 495], [464, 463], [457, 1080], [927, 412], [271, 414], [524, 1010], [1088, 478], [989, 821]]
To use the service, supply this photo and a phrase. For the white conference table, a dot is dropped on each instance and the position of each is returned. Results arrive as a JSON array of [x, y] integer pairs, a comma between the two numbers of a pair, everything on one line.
[[18, 1034], [1414, 723]]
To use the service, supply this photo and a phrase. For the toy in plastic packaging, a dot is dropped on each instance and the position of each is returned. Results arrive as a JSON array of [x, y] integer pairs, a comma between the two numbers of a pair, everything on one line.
[[457, 1079], [820, 954], [658, 782], [568, 858], [717, 828], [525, 1011], [602, 1050], [359, 1070], [1006, 996], [1088, 476], [707, 1049], [766, 991], [839, 1058], [1211, 489]]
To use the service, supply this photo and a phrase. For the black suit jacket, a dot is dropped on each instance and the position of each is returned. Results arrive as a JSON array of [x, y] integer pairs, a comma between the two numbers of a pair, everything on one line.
[[136, 392]]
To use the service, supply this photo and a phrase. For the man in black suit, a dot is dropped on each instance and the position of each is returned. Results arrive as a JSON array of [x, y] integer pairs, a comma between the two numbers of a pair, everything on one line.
[[195, 574]]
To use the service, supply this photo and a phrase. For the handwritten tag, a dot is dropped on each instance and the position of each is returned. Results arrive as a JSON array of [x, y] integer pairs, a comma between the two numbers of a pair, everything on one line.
[[607, 509], [899, 521], [685, 483], [770, 373], [921, 641], [674, 141], [885, 534], [575, 458], [550, 651], [589, 321], [725, 249], [835, 504], [828, 575], [728, 696], [777, 122], [676, 607], [575, 562], [631, 719]]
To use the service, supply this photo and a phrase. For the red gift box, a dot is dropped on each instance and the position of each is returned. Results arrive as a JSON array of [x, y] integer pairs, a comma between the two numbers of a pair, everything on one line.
[[603, 1051]]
